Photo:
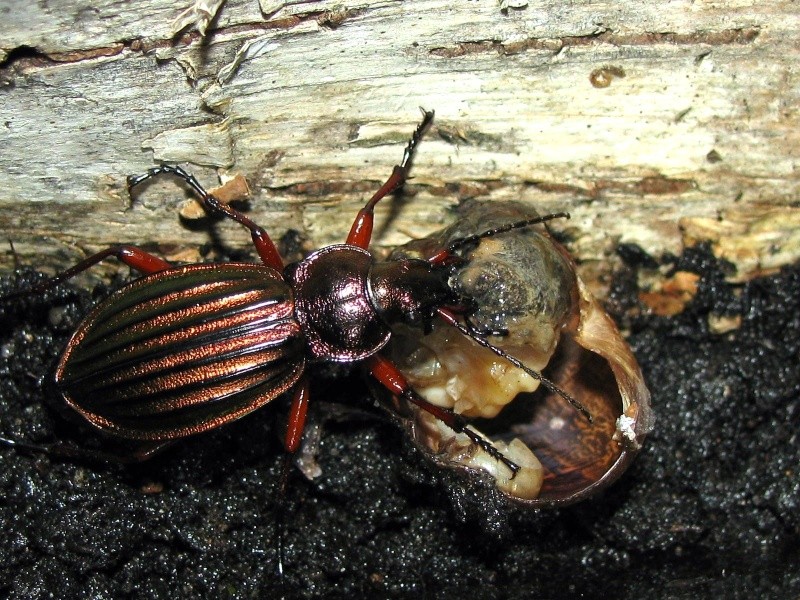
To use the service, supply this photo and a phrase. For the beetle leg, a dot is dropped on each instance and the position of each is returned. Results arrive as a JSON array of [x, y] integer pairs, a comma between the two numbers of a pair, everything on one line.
[[361, 231], [62, 450], [264, 246], [382, 369], [297, 416], [134, 257], [294, 434]]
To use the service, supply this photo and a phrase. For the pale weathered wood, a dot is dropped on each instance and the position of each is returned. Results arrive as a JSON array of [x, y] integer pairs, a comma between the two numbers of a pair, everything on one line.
[[659, 123]]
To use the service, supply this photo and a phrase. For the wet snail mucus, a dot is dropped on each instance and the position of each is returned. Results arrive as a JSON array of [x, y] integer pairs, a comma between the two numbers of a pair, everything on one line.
[[188, 348]]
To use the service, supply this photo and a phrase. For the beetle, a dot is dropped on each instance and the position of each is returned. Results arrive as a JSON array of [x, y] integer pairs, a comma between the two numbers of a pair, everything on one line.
[[189, 348]]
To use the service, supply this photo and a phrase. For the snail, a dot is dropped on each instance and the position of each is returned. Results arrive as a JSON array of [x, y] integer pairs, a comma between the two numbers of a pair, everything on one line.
[[528, 300]]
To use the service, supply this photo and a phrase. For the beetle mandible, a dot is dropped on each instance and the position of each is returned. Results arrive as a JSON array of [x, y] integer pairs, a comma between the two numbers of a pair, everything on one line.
[[185, 349]]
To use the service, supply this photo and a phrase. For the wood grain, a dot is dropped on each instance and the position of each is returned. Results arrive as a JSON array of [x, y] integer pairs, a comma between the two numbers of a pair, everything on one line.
[[656, 123]]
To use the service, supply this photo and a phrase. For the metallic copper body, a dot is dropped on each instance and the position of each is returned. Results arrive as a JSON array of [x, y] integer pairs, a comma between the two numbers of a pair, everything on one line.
[[183, 351]]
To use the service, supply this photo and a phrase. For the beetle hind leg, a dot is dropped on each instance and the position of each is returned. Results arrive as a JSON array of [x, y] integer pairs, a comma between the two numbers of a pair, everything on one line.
[[134, 257], [143, 452]]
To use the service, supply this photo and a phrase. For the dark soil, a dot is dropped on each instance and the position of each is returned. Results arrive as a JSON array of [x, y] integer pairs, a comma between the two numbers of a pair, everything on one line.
[[710, 508]]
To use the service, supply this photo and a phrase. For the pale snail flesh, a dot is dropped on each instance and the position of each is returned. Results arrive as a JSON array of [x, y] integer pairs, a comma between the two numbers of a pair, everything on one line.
[[524, 284]]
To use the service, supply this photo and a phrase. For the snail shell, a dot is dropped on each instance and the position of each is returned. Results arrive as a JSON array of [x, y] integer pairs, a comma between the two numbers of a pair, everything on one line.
[[524, 282]]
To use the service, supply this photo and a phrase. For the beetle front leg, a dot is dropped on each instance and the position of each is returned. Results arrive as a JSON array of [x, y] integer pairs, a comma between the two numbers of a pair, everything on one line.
[[361, 231], [382, 369], [264, 245]]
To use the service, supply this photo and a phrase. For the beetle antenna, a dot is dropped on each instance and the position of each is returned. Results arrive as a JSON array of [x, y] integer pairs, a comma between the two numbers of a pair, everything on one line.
[[451, 319], [458, 243]]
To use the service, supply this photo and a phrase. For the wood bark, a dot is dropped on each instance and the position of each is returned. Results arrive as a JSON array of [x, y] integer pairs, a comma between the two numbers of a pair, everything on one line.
[[655, 123]]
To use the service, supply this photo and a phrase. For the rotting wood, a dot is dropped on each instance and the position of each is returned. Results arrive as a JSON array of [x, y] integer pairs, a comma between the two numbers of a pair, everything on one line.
[[653, 123]]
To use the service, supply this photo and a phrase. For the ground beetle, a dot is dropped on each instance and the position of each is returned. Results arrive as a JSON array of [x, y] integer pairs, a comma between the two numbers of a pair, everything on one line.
[[189, 348]]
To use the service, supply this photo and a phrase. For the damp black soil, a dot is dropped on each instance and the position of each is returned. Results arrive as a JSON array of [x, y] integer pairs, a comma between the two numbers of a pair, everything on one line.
[[710, 508]]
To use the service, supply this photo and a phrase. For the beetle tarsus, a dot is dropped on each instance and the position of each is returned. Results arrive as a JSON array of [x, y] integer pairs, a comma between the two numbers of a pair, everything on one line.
[[427, 118], [60, 449], [177, 170], [21, 445], [132, 256], [280, 525]]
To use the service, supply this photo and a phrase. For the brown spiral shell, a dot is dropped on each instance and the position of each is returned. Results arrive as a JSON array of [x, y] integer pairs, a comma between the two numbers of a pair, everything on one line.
[[525, 282]]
